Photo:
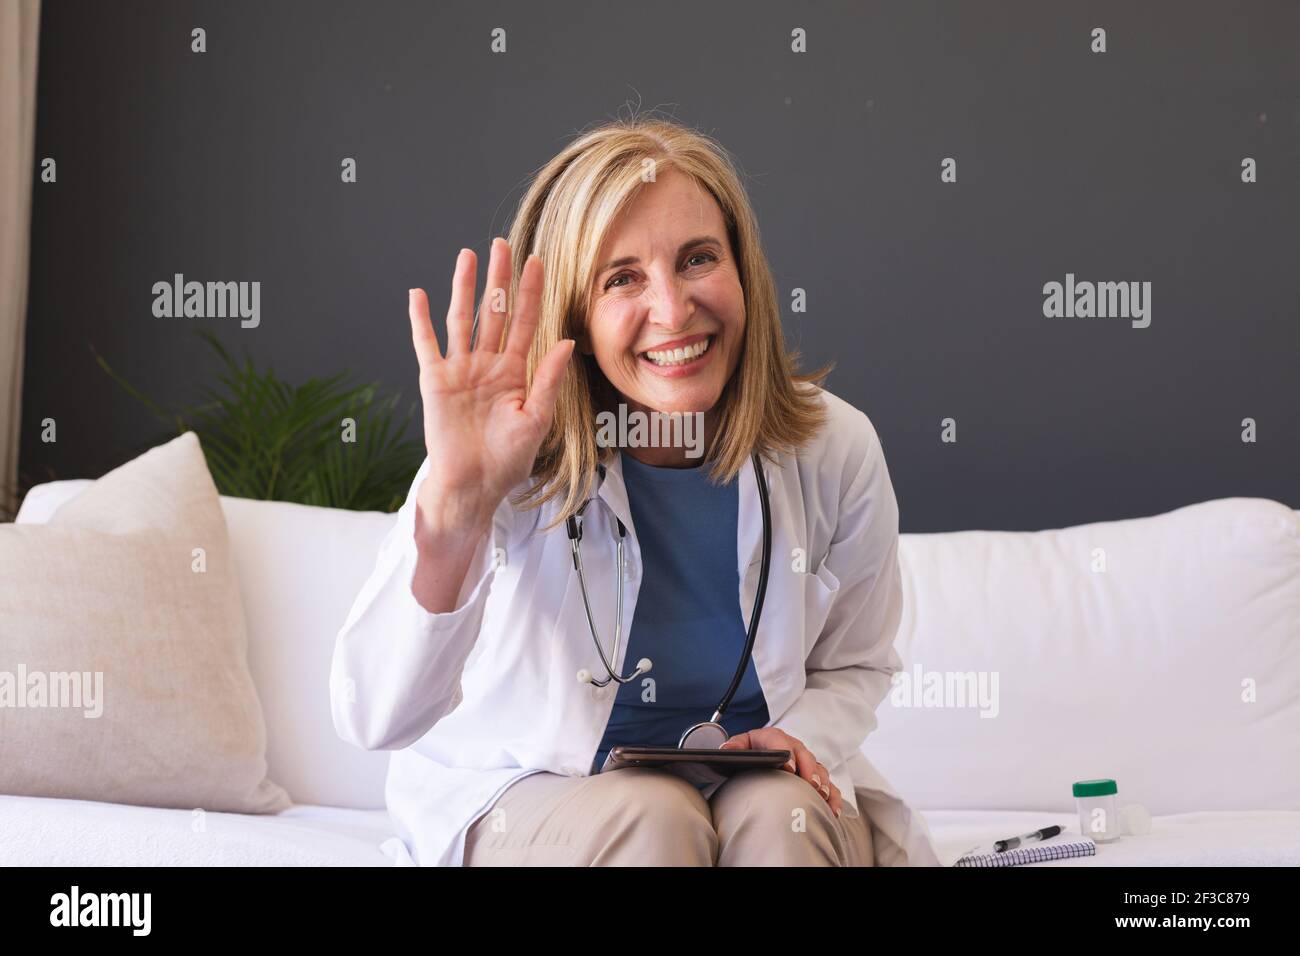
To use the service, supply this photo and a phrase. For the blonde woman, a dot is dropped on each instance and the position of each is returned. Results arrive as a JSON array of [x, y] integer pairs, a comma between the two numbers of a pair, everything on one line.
[[633, 283]]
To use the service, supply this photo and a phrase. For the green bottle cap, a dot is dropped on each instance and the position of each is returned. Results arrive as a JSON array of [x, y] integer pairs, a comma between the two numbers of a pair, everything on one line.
[[1095, 788]]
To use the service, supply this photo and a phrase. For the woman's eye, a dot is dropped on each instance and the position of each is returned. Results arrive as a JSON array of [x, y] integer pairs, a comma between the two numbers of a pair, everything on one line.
[[707, 256]]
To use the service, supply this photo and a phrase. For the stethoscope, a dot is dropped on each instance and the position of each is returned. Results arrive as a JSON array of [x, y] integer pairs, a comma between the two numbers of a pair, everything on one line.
[[709, 734]]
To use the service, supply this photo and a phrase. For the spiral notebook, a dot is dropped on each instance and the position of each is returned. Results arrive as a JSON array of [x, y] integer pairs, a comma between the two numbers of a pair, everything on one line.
[[1033, 853]]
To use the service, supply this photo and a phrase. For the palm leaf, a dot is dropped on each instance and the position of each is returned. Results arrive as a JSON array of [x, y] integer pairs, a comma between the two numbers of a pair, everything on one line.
[[268, 439]]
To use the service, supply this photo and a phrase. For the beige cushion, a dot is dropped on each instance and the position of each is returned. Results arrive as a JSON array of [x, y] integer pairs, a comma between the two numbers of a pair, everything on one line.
[[112, 592]]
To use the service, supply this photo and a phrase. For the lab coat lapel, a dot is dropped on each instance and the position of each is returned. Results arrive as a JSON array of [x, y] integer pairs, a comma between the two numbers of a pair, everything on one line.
[[614, 492], [779, 641], [749, 537]]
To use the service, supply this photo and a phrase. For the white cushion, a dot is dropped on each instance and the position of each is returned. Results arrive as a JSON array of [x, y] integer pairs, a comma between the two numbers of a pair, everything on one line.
[[36, 831], [1136, 673], [43, 500], [132, 586], [299, 569]]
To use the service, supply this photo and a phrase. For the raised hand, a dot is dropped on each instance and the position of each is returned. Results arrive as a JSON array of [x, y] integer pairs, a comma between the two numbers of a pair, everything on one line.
[[482, 428]]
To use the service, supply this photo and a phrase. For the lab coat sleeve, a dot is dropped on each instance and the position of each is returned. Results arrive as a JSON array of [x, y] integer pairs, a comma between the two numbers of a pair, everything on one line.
[[396, 668], [850, 667]]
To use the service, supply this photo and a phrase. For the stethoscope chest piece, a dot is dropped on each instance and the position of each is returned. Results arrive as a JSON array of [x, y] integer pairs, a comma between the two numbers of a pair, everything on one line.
[[706, 736]]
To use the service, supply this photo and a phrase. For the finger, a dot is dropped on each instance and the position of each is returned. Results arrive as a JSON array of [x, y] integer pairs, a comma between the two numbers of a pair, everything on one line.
[[778, 742], [750, 740], [807, 765], [546, 382], [837, 801], [776, 739], [494, 310], [460, 314], [426, 343], [824, 788], [527, 310]]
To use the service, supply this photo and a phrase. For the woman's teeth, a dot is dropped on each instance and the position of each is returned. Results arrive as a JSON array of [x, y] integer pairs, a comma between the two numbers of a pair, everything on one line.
[[670, 357]]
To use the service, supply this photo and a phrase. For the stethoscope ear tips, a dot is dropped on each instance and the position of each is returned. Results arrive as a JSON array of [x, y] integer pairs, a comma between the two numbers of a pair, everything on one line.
[[644, 665], [584, 676]]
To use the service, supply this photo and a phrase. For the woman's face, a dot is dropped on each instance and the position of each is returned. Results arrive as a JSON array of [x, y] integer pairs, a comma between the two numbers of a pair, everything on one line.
[[668, 312]]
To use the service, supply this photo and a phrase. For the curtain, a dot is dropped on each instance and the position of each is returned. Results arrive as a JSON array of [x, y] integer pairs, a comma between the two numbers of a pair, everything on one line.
[[18, 48]]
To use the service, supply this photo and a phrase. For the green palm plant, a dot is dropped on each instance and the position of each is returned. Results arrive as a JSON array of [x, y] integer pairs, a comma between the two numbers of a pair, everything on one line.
[[269, 440]]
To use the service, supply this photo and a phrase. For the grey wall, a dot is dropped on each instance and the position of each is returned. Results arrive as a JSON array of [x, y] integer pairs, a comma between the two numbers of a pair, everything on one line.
[[1120, 166]]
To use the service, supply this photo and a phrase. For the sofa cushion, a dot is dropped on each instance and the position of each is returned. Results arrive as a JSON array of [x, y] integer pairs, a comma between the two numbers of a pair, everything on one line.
[[1163, 652], [36, 831], [123, 670], [299, 569], [1027, 588]]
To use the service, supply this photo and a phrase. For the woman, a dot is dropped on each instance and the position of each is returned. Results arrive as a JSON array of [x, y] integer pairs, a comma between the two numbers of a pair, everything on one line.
[[461, 650]]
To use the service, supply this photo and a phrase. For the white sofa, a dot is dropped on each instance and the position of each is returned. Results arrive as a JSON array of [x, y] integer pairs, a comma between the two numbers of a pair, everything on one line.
[[1134, 672]]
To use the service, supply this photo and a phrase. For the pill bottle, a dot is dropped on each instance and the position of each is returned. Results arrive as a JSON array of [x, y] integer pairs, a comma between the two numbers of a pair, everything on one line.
[[1098, 814]]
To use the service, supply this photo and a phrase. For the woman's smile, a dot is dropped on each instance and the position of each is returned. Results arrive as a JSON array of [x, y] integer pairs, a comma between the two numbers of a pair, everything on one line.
[[680, 357]]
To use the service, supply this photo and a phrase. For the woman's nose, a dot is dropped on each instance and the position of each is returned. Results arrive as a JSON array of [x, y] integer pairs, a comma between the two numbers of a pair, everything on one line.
[[672, 307]]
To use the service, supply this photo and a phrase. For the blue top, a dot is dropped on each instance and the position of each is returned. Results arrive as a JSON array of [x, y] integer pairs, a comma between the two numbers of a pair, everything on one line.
[[688, 618]]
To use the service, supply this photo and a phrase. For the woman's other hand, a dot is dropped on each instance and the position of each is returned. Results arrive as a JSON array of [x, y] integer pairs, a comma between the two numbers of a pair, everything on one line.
[[803, 763]]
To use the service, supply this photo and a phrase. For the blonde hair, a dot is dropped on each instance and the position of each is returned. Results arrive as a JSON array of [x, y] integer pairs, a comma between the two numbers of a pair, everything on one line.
[[564, 217]]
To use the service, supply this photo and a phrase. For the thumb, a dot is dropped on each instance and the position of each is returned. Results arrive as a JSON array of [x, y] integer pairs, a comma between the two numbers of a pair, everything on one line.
[[546, 383]]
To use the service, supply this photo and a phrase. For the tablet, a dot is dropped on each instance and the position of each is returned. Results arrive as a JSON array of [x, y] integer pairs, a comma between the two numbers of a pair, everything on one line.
[[725, 762]]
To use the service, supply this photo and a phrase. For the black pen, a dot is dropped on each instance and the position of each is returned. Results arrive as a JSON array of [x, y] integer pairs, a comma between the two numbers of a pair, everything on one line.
[[1001, 846]]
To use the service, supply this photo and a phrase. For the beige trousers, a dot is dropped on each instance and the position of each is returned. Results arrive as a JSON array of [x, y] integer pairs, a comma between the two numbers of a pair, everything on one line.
[[646, 817]]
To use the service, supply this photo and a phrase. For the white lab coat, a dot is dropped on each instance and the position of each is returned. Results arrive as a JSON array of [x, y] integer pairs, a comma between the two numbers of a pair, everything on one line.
[[478, 697]]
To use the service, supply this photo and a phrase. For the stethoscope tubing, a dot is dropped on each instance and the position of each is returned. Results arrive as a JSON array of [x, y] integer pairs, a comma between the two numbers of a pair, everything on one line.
[[586, 604], [574, 525], [759, 595]]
